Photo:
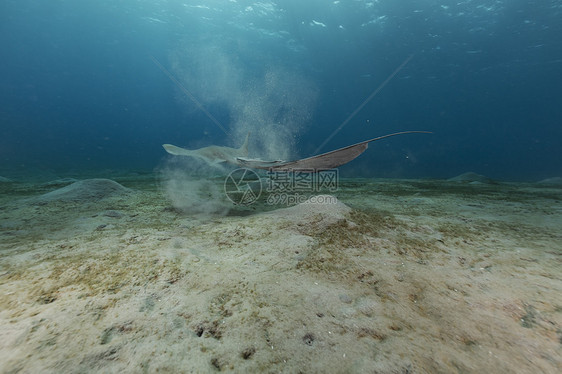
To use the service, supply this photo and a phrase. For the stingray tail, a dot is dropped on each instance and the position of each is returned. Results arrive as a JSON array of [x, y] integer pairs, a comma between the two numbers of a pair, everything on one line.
[[244, 148]]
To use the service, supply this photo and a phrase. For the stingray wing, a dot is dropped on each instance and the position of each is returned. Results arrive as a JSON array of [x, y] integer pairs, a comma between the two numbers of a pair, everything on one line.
[[324, 161], [256, 163]]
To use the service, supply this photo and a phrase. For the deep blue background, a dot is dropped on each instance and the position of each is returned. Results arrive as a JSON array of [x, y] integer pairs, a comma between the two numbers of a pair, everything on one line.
[[78, 90]]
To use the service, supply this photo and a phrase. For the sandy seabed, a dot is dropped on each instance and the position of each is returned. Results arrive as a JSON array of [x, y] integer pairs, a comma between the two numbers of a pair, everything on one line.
[[399, 276]]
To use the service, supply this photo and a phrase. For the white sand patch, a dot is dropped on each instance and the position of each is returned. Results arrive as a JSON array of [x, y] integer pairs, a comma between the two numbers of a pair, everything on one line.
[[406, 276], [88, 190]]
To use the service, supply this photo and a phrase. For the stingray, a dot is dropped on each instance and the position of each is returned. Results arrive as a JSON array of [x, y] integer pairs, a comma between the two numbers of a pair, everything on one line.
[[324, 161], [217, 154], [213, 154]]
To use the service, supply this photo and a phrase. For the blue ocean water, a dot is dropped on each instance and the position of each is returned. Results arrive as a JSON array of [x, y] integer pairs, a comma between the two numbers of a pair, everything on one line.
[[80, 90]]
